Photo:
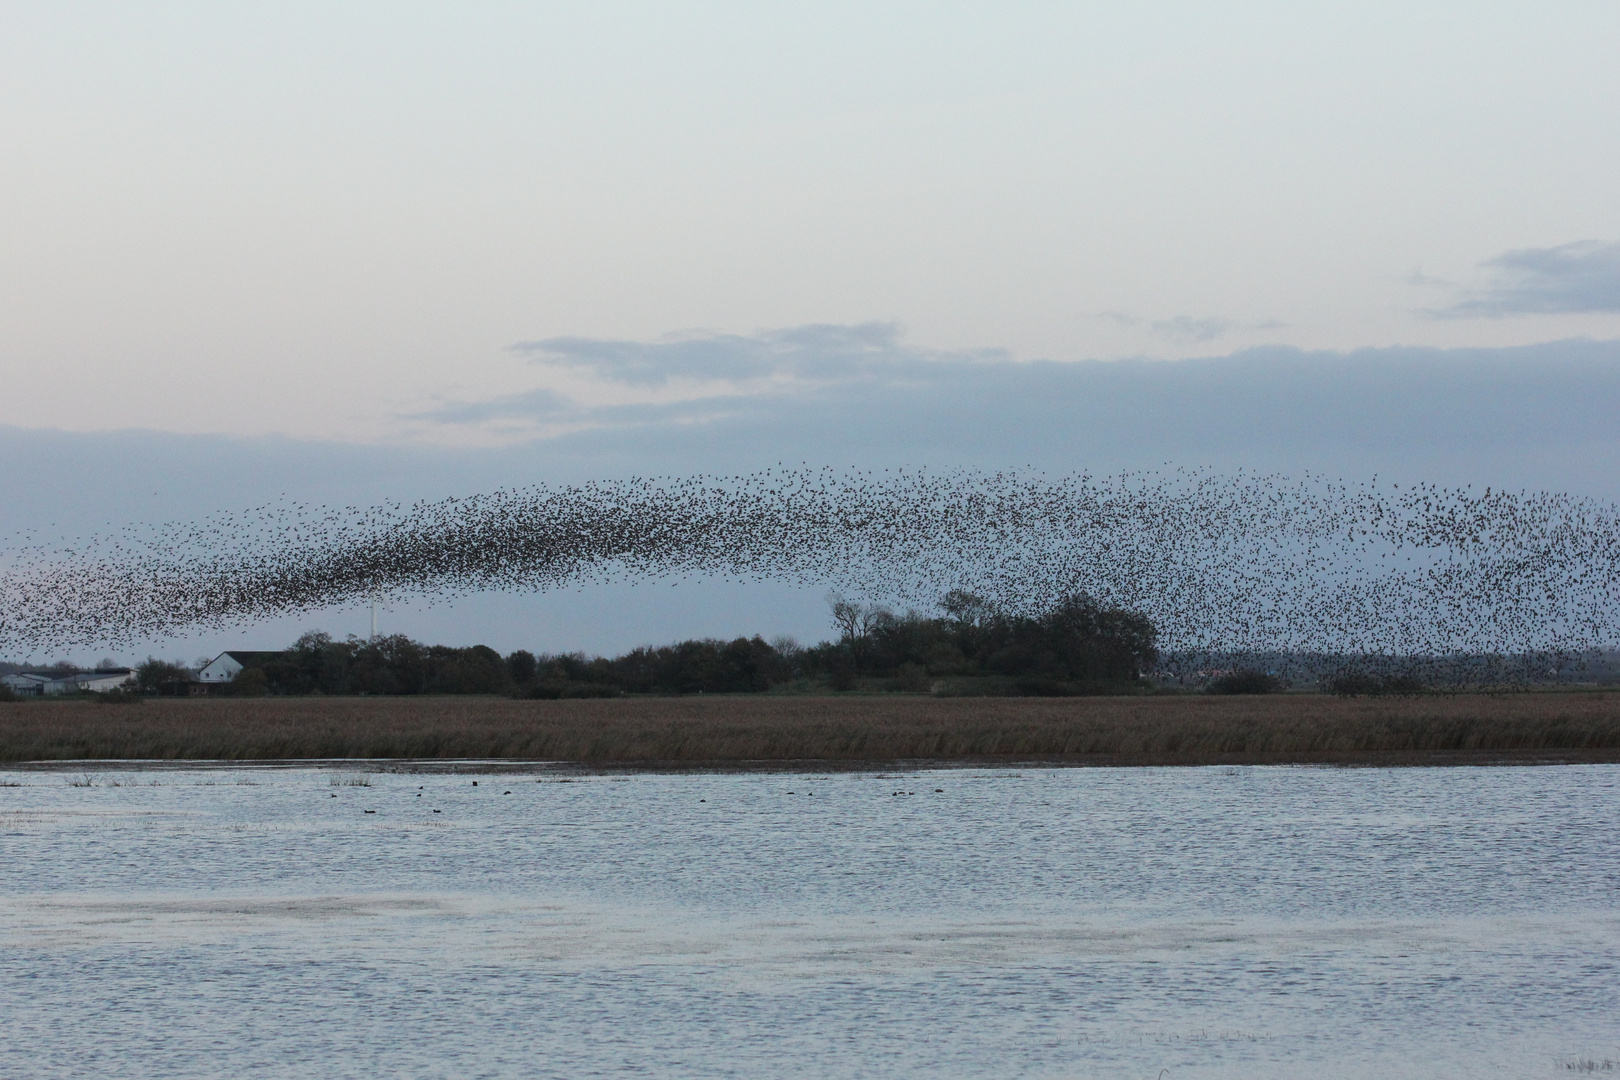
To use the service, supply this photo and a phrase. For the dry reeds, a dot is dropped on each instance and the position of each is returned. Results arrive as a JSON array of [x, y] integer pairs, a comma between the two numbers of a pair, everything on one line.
[[717, 730]]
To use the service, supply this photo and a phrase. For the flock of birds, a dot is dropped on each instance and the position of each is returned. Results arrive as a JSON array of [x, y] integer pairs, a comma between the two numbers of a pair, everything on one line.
[[1226, 565]]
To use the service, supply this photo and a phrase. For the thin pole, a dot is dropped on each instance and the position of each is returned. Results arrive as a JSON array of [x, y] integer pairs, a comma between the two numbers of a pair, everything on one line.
[[373, 616]]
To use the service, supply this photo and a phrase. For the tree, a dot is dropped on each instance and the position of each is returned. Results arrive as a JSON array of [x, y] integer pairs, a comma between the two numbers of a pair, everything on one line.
[[521, 666], [1078, 645], [967, 609], [151, 675], [1100, 644], [857, 623], [476, 670]]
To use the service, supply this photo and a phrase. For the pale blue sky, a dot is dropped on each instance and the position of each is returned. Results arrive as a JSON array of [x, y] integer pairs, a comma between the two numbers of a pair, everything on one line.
[[355, 209]]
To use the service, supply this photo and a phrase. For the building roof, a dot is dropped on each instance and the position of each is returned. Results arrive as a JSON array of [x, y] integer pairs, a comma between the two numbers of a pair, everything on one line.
[[249, 656], [99, 673]]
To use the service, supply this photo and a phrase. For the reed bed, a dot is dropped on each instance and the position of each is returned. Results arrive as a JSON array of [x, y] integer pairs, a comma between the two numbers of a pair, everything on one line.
[[758, 731]]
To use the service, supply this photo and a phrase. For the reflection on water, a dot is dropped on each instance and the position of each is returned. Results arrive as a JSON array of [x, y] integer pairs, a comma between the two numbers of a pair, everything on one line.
[[1254, 922]]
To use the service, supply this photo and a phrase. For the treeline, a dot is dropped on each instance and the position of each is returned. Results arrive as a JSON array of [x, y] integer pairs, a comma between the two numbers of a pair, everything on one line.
[[319, 664], [1077, 647]]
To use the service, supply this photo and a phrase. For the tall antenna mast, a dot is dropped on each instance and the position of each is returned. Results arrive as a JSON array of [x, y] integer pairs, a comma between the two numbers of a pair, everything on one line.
[[373, 615]]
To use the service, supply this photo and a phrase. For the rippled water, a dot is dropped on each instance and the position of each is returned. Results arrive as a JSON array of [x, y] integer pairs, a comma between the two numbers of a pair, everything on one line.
[[1223, 922]]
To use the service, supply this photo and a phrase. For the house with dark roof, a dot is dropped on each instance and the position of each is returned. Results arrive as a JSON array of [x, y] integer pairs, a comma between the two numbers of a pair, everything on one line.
[[224, 667]]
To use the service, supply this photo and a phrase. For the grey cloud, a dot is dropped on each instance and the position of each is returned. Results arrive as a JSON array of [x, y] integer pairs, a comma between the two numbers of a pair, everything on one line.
[[1583, 276], [686, 411], [539, 407], [1538, 415], [1541, 415], [1419, 278], [532, 405], [1189, 328], [817, 352]]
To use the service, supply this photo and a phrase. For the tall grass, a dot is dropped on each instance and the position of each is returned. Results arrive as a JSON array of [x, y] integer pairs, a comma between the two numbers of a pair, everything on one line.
[[713, 729]]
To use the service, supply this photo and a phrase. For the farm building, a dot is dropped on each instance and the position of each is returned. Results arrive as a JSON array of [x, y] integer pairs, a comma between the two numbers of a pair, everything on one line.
[[51, 683], [224, 667]]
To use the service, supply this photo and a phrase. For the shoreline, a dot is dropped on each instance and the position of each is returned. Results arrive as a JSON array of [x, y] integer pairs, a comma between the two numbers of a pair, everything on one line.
[[1482, 759]]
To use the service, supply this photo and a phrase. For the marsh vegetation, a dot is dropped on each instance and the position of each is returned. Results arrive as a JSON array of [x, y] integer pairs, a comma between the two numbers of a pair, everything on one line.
[[851, 728]]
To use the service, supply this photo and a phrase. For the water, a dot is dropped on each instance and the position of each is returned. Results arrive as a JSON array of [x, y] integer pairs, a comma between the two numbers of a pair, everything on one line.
[[1221, 922]]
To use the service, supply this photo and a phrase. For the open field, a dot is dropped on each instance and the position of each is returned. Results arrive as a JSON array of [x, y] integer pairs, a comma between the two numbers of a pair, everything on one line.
[[759, 731]]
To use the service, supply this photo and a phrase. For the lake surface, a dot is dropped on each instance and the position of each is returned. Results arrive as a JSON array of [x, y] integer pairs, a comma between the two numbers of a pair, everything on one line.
[[1217, 922]]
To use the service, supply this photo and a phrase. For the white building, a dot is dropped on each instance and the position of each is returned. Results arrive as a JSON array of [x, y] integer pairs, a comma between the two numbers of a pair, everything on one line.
[[50, 683], [25, 683], [224, 667]]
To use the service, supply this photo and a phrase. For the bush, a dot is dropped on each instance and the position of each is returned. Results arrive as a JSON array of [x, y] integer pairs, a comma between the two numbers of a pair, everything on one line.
[[6, 693], [841, 670], [554, 689], [590, 690], [1363, 684], [912, 679], [250, 682], [1038, 687], [1246, 682], [1403, 686]]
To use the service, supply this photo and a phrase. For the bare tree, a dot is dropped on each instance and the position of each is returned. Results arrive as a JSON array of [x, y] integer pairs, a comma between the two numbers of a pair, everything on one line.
[[967, 609], [857, 621], [847, 616]]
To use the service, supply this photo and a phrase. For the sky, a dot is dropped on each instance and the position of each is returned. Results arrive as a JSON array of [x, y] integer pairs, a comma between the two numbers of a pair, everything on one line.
[[360, 251]]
